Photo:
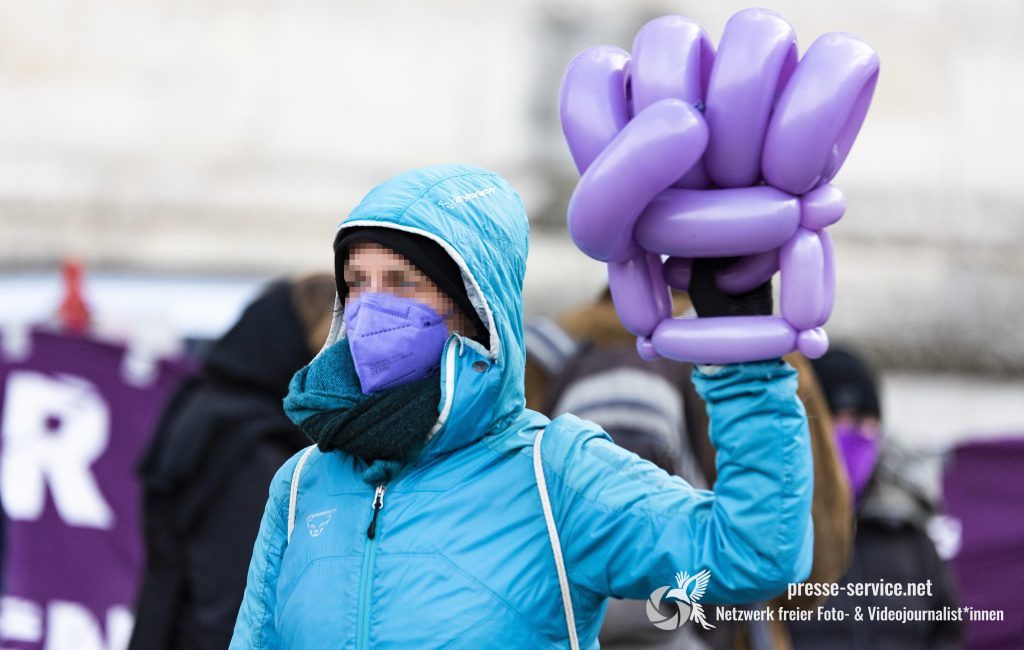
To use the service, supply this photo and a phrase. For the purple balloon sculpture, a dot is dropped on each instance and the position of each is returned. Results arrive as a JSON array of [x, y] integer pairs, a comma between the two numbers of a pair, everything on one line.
[[687, 153]]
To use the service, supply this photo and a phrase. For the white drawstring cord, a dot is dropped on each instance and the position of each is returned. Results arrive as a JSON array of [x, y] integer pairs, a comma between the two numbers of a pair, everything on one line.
[[295, 489], [556, 546]]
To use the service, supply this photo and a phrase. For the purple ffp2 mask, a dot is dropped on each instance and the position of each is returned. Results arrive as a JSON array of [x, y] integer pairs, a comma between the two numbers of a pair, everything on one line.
[[860, 454], [394, 340]]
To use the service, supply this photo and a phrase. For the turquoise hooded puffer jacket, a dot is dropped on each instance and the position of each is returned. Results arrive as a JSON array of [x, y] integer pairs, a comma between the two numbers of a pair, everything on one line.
[[461, 555]]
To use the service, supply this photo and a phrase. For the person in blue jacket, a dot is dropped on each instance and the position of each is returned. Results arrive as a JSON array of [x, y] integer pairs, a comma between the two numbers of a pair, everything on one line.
[[435, 510]]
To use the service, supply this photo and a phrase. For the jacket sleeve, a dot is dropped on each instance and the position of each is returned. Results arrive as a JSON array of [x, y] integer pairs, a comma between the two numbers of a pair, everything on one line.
[[254, 627], [627, 527]]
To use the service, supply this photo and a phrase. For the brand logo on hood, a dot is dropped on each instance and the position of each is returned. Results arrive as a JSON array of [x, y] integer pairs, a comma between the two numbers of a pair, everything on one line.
[[686, 599], [455, 200]]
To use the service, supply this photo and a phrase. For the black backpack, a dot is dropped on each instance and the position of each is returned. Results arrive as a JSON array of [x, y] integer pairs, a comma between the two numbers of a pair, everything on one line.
[[648, 407]]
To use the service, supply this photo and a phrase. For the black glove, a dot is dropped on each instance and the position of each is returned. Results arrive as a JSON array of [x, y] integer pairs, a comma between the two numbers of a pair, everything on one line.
[[709, 300]]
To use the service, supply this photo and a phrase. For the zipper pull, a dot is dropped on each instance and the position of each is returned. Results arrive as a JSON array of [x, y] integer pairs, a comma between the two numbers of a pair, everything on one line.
[[378, 503]]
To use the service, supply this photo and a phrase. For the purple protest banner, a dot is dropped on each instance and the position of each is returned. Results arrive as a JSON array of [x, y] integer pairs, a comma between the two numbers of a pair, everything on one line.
[[983, 491], [75, 415]]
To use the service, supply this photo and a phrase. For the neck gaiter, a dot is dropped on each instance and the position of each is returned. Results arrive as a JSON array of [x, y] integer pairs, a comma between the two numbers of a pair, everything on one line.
[[386, 429]]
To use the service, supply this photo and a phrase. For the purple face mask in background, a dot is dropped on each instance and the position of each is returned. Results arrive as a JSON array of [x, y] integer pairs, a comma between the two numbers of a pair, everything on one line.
[[394, 340], [859, 449]]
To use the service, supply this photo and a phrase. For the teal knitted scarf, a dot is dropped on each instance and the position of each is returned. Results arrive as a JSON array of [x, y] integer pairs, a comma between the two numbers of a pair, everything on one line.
[[386, 429]]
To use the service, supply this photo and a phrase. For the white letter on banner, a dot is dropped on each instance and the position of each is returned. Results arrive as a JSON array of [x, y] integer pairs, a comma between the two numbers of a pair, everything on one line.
[[53, 428], [20, 620], [70, 626]]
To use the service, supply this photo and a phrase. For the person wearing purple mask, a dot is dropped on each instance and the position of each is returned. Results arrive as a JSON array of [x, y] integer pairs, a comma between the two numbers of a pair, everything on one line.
[[436, 510], [850, 390], [891, 545]]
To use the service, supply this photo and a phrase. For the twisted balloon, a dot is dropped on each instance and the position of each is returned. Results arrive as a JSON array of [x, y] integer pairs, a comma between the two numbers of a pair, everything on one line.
[[687, 153]]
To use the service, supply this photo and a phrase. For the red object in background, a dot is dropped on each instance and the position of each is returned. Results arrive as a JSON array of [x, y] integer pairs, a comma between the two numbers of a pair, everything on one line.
[[73, 312]]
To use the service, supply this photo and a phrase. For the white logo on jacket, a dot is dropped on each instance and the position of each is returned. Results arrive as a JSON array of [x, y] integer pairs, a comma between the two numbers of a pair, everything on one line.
[[686, 598], [317, 521], [465, 198]]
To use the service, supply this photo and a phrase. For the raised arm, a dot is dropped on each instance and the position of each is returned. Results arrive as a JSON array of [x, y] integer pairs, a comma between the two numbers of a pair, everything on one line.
[[627, 527]]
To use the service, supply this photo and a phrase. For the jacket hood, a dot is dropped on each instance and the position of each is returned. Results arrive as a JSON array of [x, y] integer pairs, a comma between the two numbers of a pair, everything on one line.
[[232, 406], [265, 347], [480, 220]]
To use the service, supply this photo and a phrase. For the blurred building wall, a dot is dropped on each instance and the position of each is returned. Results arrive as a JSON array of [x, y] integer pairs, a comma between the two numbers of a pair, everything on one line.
[[198, 137]]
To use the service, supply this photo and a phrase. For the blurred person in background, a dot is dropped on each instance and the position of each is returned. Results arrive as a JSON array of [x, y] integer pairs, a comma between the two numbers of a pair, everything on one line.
[[436, 510], [208, 468], [891, 542], [585, 363]]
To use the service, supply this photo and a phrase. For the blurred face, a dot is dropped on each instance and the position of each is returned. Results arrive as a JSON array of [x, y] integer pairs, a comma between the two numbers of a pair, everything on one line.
[[865, 425], [372, 268]]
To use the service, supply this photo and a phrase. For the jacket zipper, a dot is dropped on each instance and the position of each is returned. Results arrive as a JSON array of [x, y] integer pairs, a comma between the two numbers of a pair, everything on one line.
[[378, 503], [370, 550], [369, 554]]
